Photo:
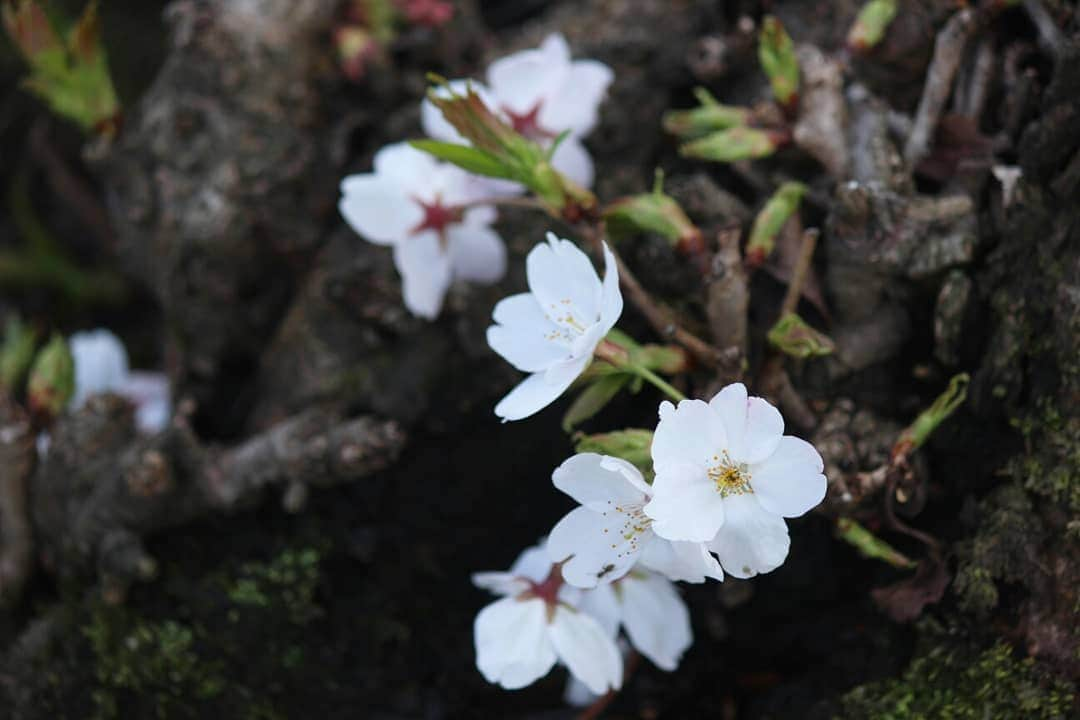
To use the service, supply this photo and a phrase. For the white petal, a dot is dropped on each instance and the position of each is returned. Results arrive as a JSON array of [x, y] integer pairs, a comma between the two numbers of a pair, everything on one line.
[[691, 433], [754, 427], [789, 482], [564, 372], [378, 209], [563, 280], [101, 363], [655, 619], [685, 505], [405, 166], [601, 482], [500, 583], [611, 301], [577, 694], [584, 647], [596, 544], [149, 393], [555, 49], [572, 159], [425, 273], [512, 644], [522, 80], [681, 561], [752, 539], [602, 604], [575, 105], [477, 253], [531, 395], [532, 563], [525, 337]]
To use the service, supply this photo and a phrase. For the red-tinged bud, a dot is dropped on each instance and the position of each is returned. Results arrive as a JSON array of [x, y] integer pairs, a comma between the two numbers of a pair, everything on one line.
[[768, 223], [356, 50], [52, 380], [776, 53], [870, 26], [429, 13]]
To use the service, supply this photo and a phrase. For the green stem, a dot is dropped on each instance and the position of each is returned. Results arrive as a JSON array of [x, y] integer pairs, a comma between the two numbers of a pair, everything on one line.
[[659, 382]]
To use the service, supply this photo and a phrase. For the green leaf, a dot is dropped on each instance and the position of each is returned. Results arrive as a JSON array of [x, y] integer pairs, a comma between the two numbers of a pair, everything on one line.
[[470, 159], [633, 445], [870, 26], [733, 144], [593, 399], [16, 353], [52, 378], [708, 117]]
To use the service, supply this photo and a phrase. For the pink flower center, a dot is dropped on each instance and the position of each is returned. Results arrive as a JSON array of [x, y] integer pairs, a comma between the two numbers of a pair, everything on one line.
[[528, 123], [436, 216]]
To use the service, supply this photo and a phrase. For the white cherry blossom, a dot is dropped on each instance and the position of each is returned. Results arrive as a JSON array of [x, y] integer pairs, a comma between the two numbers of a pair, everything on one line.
[[542, 93], [553, 330], [603, 539], [727, 475], [648, 608], [520, 637], [420, 207], [101, 365]]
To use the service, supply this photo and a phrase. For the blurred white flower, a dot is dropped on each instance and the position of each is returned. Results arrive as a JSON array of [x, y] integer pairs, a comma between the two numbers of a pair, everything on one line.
[[520, 637], [728, 476], [553, 330], [419, 206], [542, 93], [648, 607], [101, 365], [603, 539]]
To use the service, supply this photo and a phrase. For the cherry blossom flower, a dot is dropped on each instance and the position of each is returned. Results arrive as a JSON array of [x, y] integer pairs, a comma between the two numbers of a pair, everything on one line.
[[419, 206], [101, 365], [542, 93], [520, 637], [553, 330], [648, 607], [603, 539], [726, 475]]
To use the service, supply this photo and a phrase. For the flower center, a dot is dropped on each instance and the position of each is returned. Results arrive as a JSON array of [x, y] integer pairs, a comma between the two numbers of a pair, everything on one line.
[[528, 123], [730, 478], [436, 216], [568, 327]]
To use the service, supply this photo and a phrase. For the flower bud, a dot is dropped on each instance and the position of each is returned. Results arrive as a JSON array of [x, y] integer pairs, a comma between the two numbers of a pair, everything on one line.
[[768, 223], [776, 53], [734, 144], [708, 117], [791, 335], [52, 379], [70, 74], [870, 25], [652, 212]]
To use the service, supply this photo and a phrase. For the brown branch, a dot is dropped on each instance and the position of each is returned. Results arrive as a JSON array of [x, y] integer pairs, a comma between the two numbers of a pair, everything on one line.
[[799, 272], [662, 319], [16, 463], [102, 489], [948, 52]]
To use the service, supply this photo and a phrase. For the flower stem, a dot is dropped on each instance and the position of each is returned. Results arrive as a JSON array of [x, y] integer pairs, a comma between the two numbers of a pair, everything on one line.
[[647, 374]]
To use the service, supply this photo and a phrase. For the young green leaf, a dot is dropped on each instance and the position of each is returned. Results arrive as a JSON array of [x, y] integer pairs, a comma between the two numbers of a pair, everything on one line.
[[593, 399], [776, 53], [733, 144], [767, 225], [791, 335]]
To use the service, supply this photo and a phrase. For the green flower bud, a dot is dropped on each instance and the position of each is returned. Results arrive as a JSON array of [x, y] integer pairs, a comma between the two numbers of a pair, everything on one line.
[[709, 117], [791, 335], [16, 354], [52, 379], [870, 25], [776, 53], [768, 223], [632, 444], [734, 144]]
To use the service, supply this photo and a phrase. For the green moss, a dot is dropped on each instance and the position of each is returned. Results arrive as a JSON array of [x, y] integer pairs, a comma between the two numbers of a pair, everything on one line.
[[1003, 548], [1052, 468], [155, 660], [946, 683], [287, 581]]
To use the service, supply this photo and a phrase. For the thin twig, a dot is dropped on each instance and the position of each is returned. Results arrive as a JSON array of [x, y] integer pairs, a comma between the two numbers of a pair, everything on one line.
[[799, 272], [662, 318], [1050, 37], [948, 52]]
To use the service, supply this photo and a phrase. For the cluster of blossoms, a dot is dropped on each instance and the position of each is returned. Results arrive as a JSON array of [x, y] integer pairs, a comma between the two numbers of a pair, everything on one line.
[[726, 476], [723, 475], [434, 214]]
